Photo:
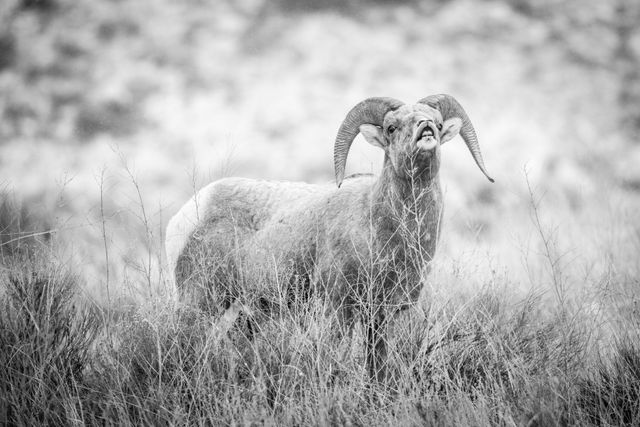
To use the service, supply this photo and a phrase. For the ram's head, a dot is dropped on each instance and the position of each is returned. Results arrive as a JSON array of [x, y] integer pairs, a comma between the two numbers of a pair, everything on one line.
[[410, 135]]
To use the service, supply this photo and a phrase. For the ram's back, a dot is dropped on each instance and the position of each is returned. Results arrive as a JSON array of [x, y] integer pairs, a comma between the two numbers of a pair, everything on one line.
[[236, 230], [224, 216]]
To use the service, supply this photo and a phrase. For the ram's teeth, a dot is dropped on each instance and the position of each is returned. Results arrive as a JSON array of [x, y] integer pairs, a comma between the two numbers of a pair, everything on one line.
[[427, 144]]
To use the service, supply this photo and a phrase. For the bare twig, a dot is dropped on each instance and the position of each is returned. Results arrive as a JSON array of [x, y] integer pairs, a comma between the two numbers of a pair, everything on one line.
[[104, 240], [144, 218]]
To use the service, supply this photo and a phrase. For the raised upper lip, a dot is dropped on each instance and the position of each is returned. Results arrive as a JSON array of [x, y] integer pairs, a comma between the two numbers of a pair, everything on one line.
[[421, 128]]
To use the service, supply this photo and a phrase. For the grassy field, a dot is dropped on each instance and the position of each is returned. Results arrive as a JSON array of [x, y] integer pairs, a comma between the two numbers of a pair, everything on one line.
[[112, 114], [475, 352]]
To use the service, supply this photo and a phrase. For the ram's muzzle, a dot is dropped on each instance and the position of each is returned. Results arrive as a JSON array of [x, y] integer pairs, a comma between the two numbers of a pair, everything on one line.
[[424, 136]]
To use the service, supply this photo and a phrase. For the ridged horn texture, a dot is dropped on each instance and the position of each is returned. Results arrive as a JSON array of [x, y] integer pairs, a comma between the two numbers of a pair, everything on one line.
[[449, 107], [370, 111]]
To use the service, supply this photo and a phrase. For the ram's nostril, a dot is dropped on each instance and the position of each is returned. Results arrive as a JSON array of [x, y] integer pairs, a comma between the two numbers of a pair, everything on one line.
[[420, 123]]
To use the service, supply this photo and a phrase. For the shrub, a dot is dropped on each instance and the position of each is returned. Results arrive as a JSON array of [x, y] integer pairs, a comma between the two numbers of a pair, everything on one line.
[[21, 231], [45, 343], [610, 395]]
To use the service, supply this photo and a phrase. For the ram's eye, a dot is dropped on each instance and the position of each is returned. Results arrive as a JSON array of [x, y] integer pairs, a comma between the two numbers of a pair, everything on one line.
[[439, 126], [391, 129]]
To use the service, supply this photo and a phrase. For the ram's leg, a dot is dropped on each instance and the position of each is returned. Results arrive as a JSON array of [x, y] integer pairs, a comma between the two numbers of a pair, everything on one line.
[[340, 341], [255, 313], [375, 347], [226, 321]]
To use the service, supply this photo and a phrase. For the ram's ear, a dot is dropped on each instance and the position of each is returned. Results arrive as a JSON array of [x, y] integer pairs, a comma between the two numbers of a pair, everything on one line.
[[450, 128], [373, 135]]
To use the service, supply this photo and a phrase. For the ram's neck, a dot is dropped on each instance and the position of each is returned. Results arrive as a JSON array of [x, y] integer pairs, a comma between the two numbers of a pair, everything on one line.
[[407, 212]]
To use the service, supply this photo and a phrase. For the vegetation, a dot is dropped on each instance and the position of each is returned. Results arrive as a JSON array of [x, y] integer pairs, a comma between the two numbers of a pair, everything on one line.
[[481, 358]]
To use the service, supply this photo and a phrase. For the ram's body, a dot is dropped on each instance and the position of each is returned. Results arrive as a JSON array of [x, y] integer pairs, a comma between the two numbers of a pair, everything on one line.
[[364, 246], [337, 239]]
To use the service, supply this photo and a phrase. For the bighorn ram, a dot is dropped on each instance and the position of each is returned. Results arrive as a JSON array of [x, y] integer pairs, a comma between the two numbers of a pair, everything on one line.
[[365, 245]]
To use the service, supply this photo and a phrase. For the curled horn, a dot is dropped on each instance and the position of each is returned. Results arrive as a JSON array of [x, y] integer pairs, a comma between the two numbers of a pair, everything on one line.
[[369, 111], [449, 107]]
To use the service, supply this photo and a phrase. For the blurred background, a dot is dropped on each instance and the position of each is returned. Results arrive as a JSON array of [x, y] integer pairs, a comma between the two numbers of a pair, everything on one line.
[[113, 113]]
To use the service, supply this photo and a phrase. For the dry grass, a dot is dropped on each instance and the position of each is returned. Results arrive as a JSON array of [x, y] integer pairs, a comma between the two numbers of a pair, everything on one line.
[[467, 357]]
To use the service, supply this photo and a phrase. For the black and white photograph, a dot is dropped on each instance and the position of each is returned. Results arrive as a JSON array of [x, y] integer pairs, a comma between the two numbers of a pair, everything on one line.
[[320, 213]]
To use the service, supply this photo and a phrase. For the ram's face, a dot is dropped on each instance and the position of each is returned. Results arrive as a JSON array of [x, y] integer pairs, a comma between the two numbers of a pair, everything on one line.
[[411, 137], [412, 134]]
